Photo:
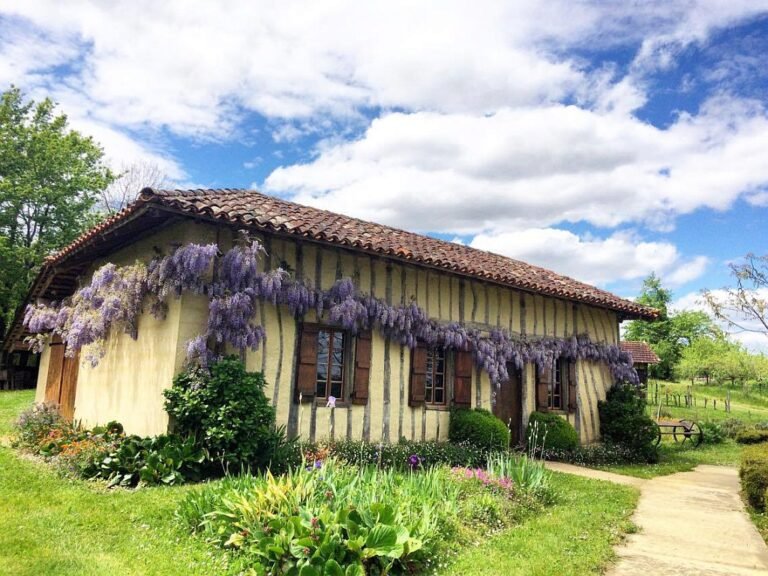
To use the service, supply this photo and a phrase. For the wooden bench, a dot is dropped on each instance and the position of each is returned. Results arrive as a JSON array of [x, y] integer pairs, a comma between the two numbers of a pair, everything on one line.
[[680, 430]]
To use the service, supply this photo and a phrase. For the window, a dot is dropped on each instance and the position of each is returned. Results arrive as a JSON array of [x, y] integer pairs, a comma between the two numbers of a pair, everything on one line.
[[331, 345], [558, 385], [434, 389]]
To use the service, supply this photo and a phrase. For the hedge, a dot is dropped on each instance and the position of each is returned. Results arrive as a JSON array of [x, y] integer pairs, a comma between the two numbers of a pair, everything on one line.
[[754, 475], [478, 428]]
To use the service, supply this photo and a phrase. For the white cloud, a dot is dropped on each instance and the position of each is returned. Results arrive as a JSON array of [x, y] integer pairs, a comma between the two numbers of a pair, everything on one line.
[[536, 167], [621, 256], [195, 67]]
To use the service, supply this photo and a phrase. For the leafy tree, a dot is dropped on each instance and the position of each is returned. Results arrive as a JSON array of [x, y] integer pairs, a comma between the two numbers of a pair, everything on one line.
[[50, 177], [744, 307], [670, 334]]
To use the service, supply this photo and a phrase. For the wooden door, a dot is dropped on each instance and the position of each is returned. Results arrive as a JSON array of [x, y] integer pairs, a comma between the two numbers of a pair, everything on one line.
[[55, 370], [508, 405], [61, 383]]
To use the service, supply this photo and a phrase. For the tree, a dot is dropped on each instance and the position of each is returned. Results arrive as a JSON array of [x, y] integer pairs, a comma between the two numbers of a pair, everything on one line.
[[669, 334], [50, 177], [128, 183], [744, 307]]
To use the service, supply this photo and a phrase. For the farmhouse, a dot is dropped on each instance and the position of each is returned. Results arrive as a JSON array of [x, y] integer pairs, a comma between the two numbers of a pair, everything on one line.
[[383, 388]]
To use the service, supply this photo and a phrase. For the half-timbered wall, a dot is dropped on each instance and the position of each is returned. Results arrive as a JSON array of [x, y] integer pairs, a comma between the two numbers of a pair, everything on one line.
[[128, 382]]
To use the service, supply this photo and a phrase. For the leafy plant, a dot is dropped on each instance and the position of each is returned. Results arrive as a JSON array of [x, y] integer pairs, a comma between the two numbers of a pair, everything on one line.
[[526, 473], [623, 421], [226, 410], [478, 428], [713, 432], [315, 518], [552, 431], [164, 459]]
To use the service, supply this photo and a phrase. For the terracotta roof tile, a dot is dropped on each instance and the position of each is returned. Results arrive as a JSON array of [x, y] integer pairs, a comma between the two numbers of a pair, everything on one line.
[[251, 208], [640, 351]]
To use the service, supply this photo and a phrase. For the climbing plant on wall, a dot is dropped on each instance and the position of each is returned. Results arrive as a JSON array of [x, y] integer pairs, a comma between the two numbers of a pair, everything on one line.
[[235, 284]]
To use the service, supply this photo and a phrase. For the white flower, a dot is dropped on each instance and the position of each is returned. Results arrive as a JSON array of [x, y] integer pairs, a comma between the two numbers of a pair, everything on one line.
[[331, 402]]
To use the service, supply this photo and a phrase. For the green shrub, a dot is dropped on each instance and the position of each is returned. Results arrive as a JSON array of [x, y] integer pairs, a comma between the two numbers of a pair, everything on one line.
[[732, 427], [713, 432], [550, 432], [754, 475], [752, 436], [398, 456], [226, 410], [478, 428], [526, 473], [623, 421]]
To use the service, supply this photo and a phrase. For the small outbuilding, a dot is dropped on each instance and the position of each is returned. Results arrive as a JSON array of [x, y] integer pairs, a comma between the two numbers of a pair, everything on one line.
[[642, 357]]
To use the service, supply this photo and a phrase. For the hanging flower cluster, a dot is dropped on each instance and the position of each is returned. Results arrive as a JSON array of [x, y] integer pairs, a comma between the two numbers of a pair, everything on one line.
[[234, 284]]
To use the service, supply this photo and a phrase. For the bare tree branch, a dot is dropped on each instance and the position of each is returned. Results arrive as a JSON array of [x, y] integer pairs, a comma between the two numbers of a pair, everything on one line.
[[132, 178], [748, 301]]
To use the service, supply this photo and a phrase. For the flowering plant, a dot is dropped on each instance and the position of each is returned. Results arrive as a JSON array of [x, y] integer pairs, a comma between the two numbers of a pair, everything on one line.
[[234, 284]]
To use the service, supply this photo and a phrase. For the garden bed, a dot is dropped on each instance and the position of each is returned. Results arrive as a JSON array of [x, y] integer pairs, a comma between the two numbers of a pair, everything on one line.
[[50, 525]]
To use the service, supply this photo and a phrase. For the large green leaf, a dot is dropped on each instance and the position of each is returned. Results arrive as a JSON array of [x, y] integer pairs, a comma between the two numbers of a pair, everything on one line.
[[382, 541]]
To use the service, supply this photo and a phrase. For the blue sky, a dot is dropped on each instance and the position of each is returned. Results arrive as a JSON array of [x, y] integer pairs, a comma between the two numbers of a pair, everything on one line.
[[604, 140]]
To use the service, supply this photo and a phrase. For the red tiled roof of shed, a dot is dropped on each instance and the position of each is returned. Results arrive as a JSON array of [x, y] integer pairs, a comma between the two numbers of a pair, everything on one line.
[[640, 351]]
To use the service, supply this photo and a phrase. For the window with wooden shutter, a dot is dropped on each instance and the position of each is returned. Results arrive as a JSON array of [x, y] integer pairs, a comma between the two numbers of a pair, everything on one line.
[[306, 382], [543, 383], [362, 367], [418, 376], [572, 392], [462, 381]]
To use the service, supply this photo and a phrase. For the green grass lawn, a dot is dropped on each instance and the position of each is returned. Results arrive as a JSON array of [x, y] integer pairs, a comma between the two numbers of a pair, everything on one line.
[[573, 537], [59, 527], [749, 407]]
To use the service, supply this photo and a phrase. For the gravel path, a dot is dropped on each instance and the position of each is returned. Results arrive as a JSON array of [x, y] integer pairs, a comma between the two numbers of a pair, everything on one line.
[[691, 524]]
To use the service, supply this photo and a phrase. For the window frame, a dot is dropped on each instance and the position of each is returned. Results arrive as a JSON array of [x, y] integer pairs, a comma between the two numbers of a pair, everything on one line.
[[345, 363], [560, 379], [447, 376]]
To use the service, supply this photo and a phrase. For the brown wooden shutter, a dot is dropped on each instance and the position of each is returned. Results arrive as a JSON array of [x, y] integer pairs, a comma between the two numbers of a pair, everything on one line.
[[572, 392], [542, 388], [306, 383], [418, 376], [462, 384], [362, 367]]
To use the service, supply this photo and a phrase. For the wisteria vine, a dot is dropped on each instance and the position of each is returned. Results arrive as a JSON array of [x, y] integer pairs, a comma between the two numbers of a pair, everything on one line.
[[234, 284]]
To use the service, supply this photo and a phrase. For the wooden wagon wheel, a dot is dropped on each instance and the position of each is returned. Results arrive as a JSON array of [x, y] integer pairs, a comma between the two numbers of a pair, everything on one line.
[[690, 431], [658, 434]]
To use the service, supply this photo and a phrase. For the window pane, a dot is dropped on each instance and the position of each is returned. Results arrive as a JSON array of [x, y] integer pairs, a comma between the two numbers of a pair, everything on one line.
[[439, 396], [336, 389], [320, 391]]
